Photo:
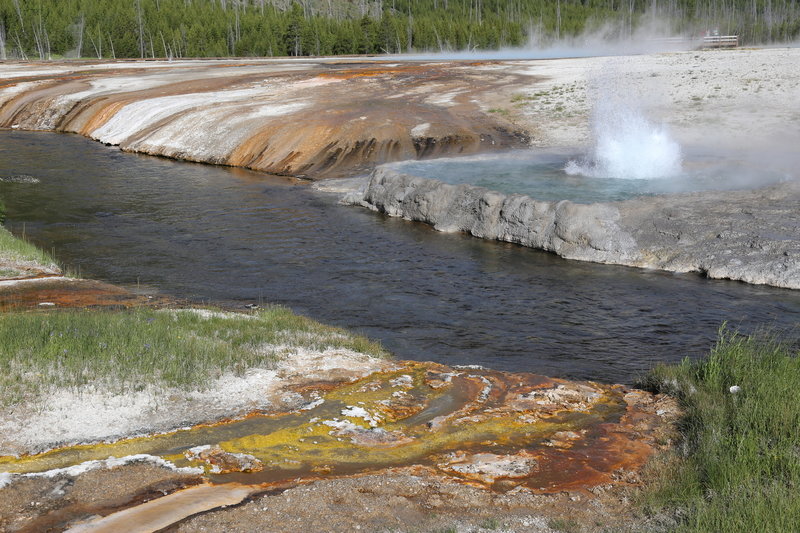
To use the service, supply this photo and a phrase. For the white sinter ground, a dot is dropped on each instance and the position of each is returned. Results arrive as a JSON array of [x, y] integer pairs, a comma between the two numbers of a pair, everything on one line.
[[726, 97], [92, 414]]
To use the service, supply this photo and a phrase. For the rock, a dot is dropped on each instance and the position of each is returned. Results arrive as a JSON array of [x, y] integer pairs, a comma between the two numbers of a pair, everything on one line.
[[489, 467], [19, 178], [376, 437], [574, 231], [678, 233], [749, 235], [223, 462]]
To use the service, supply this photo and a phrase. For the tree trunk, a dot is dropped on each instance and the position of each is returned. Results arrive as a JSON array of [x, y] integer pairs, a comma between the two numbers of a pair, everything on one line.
[[140, 23], [2, 41], [19, 47], [81, 26]]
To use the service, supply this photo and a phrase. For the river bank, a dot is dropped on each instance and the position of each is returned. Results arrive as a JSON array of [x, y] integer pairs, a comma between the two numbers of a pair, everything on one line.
[[309, 118], [746, 236], [31, 279], [334, 118], [435, 426]]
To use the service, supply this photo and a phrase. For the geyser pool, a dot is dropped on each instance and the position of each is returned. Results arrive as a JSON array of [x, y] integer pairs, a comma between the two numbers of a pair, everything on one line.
[[629, 154], [551, 174]]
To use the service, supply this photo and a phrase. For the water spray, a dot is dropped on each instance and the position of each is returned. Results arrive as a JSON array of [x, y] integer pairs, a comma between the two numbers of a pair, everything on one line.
[[626, 145]]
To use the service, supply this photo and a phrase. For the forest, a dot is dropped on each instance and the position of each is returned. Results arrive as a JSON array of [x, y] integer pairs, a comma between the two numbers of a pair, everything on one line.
[[53, 29]]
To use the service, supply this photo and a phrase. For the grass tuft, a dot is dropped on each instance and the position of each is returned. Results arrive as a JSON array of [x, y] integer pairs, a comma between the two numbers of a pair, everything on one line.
[[500, 111], [129, 350], [738, 469], [491, 524], [564, 525], [14, 249]]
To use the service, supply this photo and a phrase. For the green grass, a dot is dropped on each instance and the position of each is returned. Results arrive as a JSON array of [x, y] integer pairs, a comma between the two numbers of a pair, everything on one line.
[[564, 525], [491, 524], [500, 111], [14, 249], [738, 469], [128, 350]]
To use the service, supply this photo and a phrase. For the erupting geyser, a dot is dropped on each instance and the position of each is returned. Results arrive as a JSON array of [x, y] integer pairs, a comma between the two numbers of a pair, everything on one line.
[[627, 145]]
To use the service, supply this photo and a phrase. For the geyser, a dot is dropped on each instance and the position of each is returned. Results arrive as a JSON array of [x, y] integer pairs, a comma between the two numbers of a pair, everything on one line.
[[626, 145]]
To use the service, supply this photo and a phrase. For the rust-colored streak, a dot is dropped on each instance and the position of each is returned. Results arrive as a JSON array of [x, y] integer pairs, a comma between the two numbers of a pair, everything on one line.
[[477, 425], [46, 294], [349, 118], [99, 117], [340, 140], [382, 71]]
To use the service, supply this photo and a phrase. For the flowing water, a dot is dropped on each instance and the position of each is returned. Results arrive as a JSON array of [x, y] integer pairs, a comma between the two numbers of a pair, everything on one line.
[[235, 237]]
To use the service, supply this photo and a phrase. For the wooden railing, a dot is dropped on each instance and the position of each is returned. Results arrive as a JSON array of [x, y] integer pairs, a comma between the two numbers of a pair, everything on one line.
[[720, 41], [708, 41]]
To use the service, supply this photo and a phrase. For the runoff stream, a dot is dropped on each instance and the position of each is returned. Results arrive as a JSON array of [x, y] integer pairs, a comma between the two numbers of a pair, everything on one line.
[[233, 237]]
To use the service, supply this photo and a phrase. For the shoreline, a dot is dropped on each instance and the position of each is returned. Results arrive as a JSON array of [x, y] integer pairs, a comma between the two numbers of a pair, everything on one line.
[[238, 112], [456, 108], [701, 232], [299, 384]]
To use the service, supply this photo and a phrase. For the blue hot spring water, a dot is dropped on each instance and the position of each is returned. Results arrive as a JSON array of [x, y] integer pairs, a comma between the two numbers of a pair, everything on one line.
[[628, 156]]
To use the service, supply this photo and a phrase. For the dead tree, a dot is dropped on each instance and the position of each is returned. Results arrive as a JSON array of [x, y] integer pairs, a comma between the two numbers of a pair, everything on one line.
[[81, 25], [140, 23], [20, 47], [98, 46], [2, 41]]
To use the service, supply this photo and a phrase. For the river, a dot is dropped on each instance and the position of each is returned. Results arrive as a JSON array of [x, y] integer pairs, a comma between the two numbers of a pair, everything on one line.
[[233, 237]]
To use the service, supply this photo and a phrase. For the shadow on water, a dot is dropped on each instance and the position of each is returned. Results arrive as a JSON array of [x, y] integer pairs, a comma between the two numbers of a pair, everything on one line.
[[234, 237]]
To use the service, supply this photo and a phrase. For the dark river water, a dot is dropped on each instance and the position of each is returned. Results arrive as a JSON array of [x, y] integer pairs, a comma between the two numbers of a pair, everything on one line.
[[229, 236]]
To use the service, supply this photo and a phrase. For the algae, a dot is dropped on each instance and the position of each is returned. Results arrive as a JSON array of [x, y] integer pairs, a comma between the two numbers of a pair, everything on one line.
[[481, 426]]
